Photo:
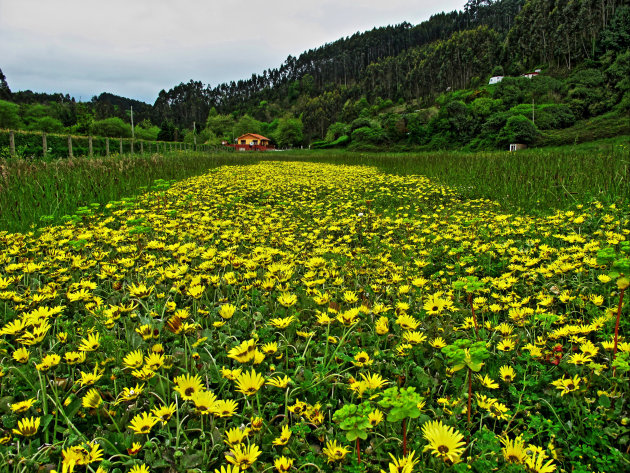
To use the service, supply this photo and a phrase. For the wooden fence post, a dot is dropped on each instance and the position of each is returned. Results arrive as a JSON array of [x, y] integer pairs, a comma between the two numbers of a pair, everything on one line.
[[142, 147], [44, 144], [121, 150], [107, 147], [12, 143], [90, 148], [70, 146]]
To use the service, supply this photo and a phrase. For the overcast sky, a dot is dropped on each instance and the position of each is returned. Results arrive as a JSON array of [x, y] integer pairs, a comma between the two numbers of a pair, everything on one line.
[[135, 48]]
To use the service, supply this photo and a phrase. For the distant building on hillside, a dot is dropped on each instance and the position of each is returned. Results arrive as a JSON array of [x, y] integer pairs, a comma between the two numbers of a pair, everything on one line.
[[495, 80], [529, 75], [252, 141], [517, 146]]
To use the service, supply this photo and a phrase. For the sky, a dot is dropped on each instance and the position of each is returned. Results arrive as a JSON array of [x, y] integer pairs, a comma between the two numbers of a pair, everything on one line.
[[135, 48]]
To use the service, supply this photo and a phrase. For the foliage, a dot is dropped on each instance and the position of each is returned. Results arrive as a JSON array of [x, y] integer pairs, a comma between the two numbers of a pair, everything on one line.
[[289, 132], [402, 403], [9, 117], [112, 127], [354, 420]]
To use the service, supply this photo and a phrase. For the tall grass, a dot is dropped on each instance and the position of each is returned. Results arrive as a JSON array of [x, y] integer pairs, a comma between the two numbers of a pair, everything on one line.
[[537, 180], [530, 180], [34, 189]]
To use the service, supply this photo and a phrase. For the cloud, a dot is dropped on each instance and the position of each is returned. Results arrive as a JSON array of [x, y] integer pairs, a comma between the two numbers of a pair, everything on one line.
[[136, 48]]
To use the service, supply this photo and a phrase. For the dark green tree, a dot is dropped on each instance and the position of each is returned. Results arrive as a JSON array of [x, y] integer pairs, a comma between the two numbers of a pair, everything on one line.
[[5, 92], [290, 132]]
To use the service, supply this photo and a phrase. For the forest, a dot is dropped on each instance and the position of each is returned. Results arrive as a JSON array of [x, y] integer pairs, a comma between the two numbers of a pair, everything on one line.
[[404, 86]]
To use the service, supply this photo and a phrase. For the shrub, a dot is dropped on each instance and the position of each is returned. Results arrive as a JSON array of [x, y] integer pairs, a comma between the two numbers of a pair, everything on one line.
[[518, 129], [368, 135], [47, 124], [554, 117], [113, 127]]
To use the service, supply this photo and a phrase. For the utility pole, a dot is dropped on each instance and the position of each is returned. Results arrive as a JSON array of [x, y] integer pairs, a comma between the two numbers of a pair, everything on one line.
[[533, 117], [133, 135]]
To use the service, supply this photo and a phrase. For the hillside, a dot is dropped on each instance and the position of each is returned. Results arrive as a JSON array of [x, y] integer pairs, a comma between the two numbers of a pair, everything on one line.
[[403, 86]]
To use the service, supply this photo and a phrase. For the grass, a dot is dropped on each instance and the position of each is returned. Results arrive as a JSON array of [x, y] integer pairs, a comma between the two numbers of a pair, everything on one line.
[[533, 180]]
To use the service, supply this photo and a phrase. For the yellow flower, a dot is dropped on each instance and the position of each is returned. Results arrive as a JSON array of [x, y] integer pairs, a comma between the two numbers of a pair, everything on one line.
[[74, 357], [507, 373], [404, 464], [88, 379], [567, 385], [91, 343], [135, 448], [187, 386], [141, 291], [513, 450], [375, 417], [140, 469], [407, 322], [256, 424], [164, 413], [235, 436], [414, 338], [283, 464], [143, 423], [270, 348], [244, 352], [488, 382], [204, 401], [335, 452], [374, 380], [444, 441], [362, 359], [92, 399], [227, 311], [196, 291], [348, 317], [535, 462], [438, 342], [506, 345], [228, 469], [287, 300], [282, 323], [249, 383], [49, 361], [284, 437], [27, 427], [21, 355], [23, 406], [382, 325], [230, 374], [243, 457], [279, 382], [225, 408]]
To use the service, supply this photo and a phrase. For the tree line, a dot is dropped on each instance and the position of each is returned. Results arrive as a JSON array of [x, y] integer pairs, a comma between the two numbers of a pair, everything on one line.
[[408, 67]]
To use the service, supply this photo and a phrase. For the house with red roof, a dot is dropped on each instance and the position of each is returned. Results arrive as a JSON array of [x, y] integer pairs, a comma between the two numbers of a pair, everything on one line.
[[252, 141]]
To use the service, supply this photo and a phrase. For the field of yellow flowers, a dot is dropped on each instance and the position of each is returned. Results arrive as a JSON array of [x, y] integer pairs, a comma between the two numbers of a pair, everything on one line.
[[314, 317]]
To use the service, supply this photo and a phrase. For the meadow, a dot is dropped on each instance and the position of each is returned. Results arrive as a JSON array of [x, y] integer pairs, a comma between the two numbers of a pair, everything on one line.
[[296, 313]]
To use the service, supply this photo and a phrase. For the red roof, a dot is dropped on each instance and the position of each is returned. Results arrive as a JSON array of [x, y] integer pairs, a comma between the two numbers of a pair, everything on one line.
[[259, 137]]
